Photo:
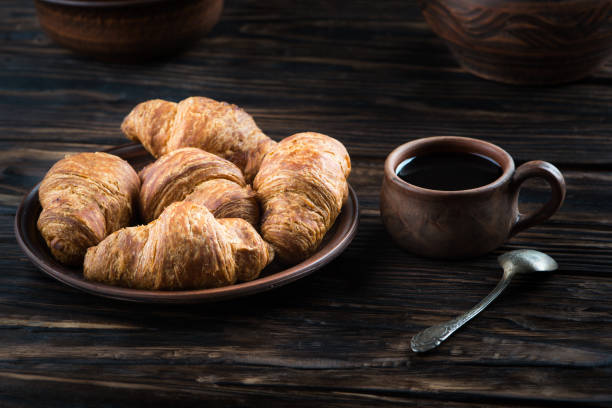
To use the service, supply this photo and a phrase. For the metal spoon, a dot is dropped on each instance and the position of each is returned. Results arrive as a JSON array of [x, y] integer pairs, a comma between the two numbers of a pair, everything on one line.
[[520, 261]]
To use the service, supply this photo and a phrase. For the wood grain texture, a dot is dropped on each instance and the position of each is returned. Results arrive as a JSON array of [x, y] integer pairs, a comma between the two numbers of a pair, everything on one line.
[[372, 75]]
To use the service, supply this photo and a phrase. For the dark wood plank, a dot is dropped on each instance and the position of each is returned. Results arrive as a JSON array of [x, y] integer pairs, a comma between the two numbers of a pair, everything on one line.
[[372, 75], [353, 319], [100, 394]]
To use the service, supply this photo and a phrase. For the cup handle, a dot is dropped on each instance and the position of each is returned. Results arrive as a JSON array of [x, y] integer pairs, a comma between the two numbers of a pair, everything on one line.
[[555, 180]]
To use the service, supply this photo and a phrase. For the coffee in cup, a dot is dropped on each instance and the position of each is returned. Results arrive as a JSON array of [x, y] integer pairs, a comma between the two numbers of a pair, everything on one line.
[[456, 197]]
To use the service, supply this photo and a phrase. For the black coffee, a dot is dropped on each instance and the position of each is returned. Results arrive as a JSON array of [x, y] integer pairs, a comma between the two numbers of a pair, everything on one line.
[[449, 171]]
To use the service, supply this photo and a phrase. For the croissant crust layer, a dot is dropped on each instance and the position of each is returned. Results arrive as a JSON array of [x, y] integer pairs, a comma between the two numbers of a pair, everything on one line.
[[301, 186], [200, 177], [185, 248], [84, 198], [216, 127]]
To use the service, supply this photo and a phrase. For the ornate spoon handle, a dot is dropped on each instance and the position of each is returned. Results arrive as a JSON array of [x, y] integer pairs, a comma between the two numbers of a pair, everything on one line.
[[431, 337]]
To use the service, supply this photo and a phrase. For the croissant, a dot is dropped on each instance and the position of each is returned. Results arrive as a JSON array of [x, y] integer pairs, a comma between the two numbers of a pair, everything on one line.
[[301, 186], [185, 248], [200, 177], [217, 127], [84, 198]]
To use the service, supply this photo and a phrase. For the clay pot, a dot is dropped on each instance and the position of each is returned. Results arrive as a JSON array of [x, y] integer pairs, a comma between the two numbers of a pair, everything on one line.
[[524, 42], [127, 30]]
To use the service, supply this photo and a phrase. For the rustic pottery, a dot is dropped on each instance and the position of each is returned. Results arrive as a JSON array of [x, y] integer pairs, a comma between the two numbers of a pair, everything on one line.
[[464, 223], [127, 30], [524, 42]]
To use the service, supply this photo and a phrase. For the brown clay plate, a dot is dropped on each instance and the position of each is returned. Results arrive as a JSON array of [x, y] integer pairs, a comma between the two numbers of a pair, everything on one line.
[[336, 241]]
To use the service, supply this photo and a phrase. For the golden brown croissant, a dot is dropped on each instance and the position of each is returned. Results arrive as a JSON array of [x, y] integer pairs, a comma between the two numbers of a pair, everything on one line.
[[301, 185], [84, 198], [217, 127], [200, 177], [185, 248]]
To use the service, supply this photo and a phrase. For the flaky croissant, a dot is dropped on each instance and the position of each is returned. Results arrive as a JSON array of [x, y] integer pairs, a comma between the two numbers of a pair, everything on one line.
[[301, 186], [200, 177], [185, 248], [216, 127], [84, 198]]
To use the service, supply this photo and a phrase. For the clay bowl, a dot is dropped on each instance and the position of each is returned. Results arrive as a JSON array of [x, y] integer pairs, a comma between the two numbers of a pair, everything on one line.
[[127, 30], [524, 42], [273, 276]]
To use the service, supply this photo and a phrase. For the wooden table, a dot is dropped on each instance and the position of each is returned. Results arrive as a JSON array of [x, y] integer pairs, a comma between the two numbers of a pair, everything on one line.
[[373, 75]]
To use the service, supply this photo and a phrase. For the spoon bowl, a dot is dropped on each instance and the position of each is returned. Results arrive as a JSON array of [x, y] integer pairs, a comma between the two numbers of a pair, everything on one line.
[[526, 261]]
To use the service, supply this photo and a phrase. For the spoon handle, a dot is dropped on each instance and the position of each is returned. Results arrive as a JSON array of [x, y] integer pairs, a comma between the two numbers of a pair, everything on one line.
[[433, 336]]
